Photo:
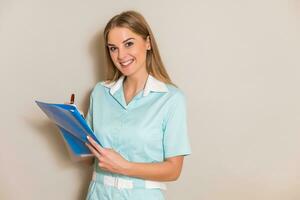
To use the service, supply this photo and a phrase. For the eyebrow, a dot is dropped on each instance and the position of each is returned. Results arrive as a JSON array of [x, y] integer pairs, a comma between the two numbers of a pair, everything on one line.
[[122, 42]]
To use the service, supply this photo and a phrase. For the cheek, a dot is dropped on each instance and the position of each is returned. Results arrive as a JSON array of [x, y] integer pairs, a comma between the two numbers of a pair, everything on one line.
[[113, 57], [140, 54]]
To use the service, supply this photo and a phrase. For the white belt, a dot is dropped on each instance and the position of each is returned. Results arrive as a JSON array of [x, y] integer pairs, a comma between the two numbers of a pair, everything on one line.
[[128, 184]]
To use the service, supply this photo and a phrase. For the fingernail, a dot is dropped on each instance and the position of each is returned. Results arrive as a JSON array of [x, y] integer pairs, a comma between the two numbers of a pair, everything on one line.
[[87, 137]]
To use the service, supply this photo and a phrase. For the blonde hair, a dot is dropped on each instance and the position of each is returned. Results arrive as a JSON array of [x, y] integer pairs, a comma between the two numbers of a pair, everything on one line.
[[135, 22]]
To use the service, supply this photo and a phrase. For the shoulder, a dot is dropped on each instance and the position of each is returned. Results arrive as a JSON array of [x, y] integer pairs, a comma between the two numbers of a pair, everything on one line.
[[176, 103], [175, 92], [175, 95], [101, 86]]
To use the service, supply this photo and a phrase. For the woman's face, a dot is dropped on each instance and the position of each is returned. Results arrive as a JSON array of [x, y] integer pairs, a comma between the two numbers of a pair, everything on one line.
[[127, 50]]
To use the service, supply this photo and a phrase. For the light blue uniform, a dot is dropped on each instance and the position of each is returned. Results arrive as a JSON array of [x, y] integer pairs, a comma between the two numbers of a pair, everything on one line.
[[151, 128]]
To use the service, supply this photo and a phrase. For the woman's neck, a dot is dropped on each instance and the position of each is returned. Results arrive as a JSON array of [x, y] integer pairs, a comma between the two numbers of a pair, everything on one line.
[[134, 83]]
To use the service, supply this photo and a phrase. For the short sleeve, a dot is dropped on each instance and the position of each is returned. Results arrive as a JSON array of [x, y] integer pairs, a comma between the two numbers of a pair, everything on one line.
[[175, 140], [89, 115]]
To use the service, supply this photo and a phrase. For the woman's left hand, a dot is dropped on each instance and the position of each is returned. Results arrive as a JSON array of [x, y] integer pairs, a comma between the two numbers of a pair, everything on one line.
[[109, 160]]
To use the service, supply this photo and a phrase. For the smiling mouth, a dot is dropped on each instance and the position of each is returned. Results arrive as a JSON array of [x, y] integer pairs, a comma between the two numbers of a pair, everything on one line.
[[126, 63]]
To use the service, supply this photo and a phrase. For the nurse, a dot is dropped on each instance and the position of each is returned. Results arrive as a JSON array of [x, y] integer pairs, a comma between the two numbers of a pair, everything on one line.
[[138, 115]]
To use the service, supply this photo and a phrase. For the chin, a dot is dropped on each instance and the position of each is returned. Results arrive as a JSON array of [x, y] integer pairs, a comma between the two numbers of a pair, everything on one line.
[[128, 72], [131, 70]]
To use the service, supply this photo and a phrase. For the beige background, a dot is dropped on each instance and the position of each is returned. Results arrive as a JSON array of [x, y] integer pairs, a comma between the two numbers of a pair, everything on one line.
[[237, 62]]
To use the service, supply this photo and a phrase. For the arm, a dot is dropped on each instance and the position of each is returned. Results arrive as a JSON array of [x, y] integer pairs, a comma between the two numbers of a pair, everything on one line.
[[111, 161], [168, 170]]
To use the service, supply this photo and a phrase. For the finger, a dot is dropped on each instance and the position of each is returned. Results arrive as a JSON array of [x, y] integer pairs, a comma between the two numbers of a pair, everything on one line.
[[101, 165], [93, 150], [103, 168], [95, 144]]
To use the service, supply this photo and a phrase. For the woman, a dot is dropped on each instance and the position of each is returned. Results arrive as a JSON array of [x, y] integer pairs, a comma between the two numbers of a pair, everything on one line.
[[138, 115]]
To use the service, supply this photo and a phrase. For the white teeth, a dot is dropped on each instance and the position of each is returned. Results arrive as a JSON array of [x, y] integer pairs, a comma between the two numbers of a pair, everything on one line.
[[126, 62]]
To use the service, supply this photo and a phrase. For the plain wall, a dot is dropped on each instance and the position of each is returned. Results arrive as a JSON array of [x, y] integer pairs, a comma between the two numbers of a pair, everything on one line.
[[236, 61]]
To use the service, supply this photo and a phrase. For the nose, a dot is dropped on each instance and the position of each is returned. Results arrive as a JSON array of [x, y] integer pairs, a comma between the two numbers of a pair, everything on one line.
[[121, 53]]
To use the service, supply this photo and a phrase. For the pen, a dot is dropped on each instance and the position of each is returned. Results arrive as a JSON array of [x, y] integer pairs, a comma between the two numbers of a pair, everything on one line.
[[72, 99]]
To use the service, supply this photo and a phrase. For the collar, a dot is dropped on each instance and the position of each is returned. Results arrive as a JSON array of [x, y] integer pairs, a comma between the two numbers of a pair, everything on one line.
[[152, 84]]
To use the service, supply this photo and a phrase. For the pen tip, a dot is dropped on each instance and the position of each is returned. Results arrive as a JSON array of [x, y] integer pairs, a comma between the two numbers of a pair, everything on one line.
[[72, 99]]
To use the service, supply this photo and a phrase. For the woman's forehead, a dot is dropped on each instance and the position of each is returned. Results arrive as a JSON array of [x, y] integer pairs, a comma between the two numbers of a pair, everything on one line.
[[119, 34]]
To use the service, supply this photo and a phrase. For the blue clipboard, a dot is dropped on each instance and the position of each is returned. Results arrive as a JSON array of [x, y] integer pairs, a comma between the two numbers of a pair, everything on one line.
[[72, 126]]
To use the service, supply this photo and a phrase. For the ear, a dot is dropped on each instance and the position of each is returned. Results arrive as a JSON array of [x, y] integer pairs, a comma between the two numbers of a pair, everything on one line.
[[148, 43]]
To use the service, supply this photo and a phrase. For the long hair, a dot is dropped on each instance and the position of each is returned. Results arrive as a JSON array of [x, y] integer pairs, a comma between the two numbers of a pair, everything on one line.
[[135, 22]]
